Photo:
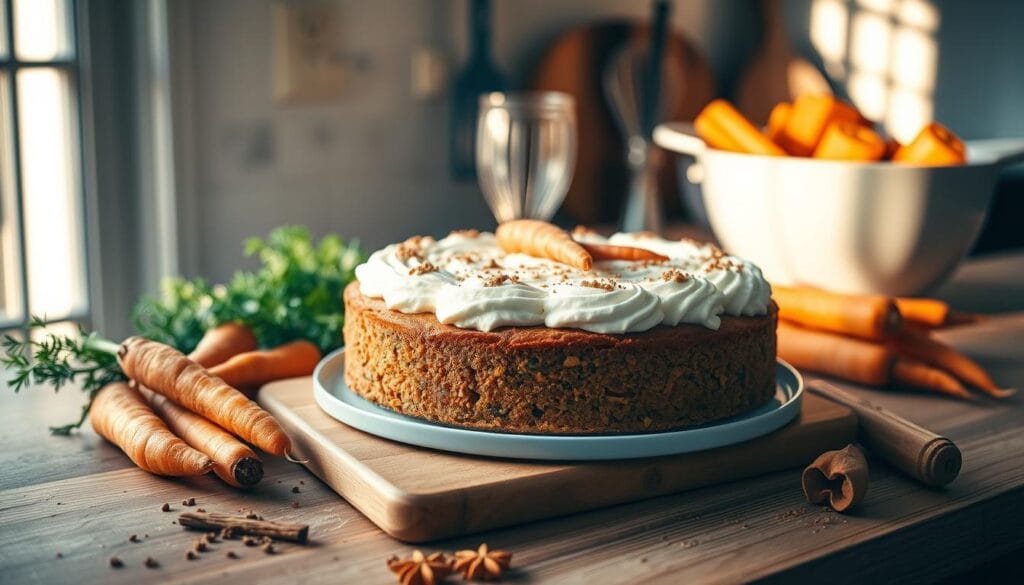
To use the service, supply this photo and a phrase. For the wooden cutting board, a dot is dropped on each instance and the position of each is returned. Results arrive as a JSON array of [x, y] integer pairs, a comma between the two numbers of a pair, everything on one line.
[[417, 495]]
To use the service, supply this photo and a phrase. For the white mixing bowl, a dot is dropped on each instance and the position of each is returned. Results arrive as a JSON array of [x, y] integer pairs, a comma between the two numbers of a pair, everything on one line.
[[852, 227]]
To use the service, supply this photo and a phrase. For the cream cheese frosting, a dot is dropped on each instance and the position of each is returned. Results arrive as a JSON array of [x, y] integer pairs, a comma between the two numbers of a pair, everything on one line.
[[468, 281]]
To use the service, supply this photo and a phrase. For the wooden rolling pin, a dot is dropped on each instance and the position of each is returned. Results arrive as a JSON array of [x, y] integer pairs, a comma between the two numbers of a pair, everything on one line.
[[929, 458]]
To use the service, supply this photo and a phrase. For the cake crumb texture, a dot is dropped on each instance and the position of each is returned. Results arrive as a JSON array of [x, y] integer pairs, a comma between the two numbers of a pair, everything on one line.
[[557, 381]]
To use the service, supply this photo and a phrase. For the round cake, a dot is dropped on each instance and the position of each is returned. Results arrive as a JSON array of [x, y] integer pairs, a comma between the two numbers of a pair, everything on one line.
[[459, 332]]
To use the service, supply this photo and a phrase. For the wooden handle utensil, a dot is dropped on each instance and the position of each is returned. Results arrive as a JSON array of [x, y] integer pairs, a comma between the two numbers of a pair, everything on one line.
[[927, 457]]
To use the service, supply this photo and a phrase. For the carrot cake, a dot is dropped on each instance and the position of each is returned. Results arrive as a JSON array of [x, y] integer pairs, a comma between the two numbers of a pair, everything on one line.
[[459, 331]]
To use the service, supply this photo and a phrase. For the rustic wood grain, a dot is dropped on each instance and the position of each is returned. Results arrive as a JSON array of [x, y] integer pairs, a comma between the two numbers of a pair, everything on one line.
[[82, 498], [400, 489]]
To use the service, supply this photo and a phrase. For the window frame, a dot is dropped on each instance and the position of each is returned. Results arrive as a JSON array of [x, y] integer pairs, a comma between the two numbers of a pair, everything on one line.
[[10, 65]]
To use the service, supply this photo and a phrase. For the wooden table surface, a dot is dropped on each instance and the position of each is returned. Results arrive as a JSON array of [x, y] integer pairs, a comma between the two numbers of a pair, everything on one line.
[[67, 504]]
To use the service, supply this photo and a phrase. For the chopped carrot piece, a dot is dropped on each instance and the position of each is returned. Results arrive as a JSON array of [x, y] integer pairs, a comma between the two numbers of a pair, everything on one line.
[[934, 145], [808, 120], [846, 140], [777, 120], [723, 127]]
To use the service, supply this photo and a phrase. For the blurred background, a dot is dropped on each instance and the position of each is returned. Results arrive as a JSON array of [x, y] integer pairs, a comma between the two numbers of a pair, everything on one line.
[[150, 138]]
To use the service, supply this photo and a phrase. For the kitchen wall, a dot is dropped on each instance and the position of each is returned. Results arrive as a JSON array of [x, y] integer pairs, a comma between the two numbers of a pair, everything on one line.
[[373, 163]]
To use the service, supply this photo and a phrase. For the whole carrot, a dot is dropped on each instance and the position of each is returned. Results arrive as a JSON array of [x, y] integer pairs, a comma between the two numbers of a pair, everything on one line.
[[928, 312], [933, 352], [222, 343], [255, 368], [848, 358], [610, 252], [915, 373], [858, 360], [167, 371], [866, 316], [233, 461], [120, 415]]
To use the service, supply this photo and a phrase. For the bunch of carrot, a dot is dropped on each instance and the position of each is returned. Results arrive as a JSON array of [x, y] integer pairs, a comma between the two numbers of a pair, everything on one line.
[[821, 126], [184, 415], [876, 340]]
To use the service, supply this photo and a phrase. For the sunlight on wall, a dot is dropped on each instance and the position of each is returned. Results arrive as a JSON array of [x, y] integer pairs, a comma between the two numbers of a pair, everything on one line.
[[885, 52], [56, 263]]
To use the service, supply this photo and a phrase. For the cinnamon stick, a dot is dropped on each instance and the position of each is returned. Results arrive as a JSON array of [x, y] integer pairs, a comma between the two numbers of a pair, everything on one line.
[[838, 477], [207, 521]]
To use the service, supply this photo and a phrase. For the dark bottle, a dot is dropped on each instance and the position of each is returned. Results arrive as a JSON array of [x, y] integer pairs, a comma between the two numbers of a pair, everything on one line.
[[479, 76]]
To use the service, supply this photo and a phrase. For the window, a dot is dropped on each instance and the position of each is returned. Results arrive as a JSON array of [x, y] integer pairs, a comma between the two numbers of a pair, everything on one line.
[[886, 53], [42, 228]]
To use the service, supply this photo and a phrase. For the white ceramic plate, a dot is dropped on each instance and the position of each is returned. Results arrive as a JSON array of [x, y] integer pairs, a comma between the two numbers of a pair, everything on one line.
[[337, 400]]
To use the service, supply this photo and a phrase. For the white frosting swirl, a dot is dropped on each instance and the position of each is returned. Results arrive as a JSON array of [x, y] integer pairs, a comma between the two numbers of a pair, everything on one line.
[[467, 281]]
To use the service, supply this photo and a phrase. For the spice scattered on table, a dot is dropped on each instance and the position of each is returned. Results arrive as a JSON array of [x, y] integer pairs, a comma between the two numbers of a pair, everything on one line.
[[200, 545], [200, 509], [250, 541], [420, 569], [231, 554], [191, 555], [116, 562], [151, 563], [133, 538], [165, 508], [188, 502], [268, 547], [295, 504], [295, 489], [482, 563], [838, 477]]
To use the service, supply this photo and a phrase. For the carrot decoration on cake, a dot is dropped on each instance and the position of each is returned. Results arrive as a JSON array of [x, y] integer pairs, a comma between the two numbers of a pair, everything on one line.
[[543, 240], [610, 252]]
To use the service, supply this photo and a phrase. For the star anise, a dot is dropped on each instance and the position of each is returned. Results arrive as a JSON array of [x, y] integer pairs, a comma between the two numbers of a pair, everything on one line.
[[482, 564], [420, 569]]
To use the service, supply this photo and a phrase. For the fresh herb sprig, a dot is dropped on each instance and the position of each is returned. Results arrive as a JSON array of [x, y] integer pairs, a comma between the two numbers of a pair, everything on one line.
[[294, 294], [58, 360]]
